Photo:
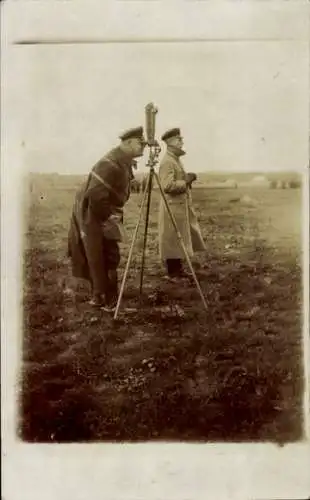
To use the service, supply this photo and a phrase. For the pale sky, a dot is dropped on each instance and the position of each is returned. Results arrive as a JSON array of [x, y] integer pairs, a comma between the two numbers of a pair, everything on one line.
[[240, 105]]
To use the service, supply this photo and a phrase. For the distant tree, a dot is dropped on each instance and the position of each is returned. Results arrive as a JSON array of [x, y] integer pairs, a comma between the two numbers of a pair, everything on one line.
[[135, 186], [273, 184], [294, 184]]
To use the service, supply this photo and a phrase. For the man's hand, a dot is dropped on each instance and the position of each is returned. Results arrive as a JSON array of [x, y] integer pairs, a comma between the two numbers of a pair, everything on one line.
[[190, 177], [113, 226]]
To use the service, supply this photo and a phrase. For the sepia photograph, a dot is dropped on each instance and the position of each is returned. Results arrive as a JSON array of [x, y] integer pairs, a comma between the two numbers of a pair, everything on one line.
[[163, 242], [188, 209]]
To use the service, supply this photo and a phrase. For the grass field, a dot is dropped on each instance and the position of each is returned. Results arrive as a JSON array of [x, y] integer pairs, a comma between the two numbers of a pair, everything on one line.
[[232, 374]]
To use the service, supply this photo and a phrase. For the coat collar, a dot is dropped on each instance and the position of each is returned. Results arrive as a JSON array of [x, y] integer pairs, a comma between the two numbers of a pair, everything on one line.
[[120, 157], [175, 158], [170, 153], [175, 151]]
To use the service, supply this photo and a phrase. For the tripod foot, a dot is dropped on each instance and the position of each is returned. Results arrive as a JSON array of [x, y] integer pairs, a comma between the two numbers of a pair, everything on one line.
[[108, 309], [179, 278]]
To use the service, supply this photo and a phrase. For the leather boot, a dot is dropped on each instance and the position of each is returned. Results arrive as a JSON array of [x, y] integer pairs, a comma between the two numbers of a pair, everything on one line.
[[174, 267], [112, 295]]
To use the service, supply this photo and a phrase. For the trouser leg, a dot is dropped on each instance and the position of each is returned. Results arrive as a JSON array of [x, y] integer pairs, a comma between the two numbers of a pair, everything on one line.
[[103, 258], [112, 260], [94, 249]]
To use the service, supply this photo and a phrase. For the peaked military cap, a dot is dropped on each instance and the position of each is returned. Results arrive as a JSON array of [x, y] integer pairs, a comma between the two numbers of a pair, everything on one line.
[[133, 132], [173, 132]]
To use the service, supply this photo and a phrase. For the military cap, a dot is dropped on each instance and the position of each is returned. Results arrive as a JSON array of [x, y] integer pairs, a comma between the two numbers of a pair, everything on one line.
[[173, 132], [133, 132]]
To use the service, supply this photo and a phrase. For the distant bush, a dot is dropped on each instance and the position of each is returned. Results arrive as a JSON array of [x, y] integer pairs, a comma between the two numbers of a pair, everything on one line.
[[277, 184], [294, 184]]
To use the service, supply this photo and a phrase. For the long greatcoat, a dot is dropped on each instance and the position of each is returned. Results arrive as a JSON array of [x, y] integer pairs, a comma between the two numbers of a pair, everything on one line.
[[173, 181], [104, 194]]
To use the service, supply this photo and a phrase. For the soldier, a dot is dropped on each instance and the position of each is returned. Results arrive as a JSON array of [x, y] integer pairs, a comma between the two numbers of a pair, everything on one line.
[[96, 222], [176, 185]]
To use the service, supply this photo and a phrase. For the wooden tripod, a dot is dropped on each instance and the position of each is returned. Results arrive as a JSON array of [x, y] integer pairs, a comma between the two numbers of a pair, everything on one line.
[[154, 152]]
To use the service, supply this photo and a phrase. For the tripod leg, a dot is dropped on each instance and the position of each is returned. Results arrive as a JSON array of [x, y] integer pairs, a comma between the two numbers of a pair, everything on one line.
[[129, 257], [149, 191], [181, 241]]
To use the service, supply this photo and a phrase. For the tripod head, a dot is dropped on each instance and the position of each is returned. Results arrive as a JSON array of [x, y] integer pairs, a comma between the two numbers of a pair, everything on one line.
[[155, 149]]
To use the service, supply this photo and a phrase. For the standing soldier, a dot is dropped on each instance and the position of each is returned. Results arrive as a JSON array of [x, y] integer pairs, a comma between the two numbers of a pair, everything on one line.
[[177, 184], [97, 218]]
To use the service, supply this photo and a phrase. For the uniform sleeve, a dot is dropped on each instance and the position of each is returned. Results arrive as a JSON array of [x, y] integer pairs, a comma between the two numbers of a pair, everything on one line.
[[168, 182], [99, 189]]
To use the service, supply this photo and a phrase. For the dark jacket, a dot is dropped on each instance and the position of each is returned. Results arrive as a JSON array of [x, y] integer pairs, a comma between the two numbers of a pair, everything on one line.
[[105, 192]]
